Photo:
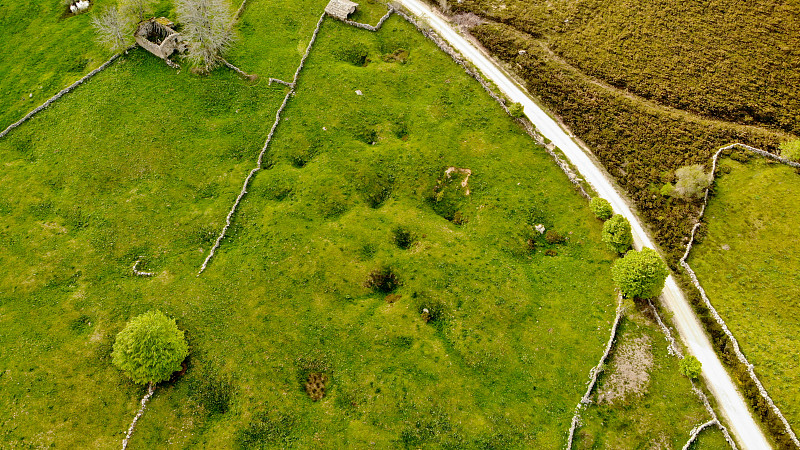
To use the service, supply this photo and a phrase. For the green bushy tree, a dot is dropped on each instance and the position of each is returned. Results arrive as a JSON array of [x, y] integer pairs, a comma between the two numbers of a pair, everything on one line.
[[690, 367], [150, 348], [601, 208], [617, 233], [640, 274]]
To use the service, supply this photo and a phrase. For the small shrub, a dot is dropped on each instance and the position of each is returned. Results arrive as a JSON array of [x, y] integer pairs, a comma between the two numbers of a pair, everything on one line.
[[366, 135], [550, 252], [690, 367], [553, 237], [399, 56], [432, 310], [601, 208], [403, 237], [80, 324], [267, 429], [382, 280], [617, 234], [791, 150], [692, 181], [356, 54], [516, 110]]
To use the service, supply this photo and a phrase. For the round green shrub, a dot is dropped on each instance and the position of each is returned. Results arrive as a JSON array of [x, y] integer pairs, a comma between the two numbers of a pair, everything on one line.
[[150, 348], [516, 110], [640, 274], [690, 367], [617, 234], [601, 208], [791, 150]]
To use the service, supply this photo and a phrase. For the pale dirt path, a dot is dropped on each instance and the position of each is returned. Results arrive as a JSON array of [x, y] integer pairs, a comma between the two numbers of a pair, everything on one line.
[[730, 402]]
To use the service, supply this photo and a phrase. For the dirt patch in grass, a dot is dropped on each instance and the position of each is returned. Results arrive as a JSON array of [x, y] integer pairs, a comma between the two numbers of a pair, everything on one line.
[[630, 373]]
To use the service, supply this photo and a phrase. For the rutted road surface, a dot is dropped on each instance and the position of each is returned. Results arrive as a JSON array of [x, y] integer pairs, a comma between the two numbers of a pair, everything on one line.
[[730, 403]]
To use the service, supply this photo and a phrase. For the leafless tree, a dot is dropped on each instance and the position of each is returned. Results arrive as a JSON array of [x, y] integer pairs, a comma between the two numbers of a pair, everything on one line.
[[114, 29], [208, 30], [139, 9]]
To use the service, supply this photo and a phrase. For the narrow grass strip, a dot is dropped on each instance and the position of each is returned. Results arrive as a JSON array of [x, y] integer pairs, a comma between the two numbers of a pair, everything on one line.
[[695, 431], [674, 349], [259, 163], [529, 128], [64, 91], [739, 355], [150, 389], [593, 374]]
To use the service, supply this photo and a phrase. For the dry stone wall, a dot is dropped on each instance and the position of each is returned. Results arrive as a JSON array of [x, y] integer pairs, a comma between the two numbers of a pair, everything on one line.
[[593, 374], [63, 92]]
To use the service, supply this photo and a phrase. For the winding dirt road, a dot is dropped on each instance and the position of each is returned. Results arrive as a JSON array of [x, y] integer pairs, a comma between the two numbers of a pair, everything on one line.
[[730, 403]]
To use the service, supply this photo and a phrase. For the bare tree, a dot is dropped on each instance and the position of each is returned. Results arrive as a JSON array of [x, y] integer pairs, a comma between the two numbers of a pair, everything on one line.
[[114, 29], [208, 30], [138, 9]]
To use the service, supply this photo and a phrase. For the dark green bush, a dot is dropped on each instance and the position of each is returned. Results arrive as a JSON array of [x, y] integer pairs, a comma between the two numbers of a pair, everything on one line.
[[355, 53], [212, 391], [553, 237], [403, 237], [268, 430], [382, 279]]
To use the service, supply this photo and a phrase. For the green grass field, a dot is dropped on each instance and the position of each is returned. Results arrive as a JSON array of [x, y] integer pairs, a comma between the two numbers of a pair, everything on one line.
[[144, 161], [748, 265]]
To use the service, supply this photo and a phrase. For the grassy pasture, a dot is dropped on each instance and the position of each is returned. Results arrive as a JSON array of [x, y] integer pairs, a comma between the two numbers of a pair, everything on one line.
[[748, 265], [144, 161]]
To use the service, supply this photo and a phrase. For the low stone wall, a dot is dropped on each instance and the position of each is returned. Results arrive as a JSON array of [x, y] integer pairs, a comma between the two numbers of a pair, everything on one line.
[[260, 161], [366, 26], [734, 343], [675, 350], [150, 389], [695, 431], [63, 92], [593, 374]]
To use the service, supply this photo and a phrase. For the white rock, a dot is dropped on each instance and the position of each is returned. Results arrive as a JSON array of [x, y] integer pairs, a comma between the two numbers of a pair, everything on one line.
[[358, 92], [540, 228]]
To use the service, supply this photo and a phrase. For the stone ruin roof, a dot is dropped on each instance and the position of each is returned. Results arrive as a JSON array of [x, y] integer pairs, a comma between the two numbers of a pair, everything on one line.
[[157, 37], [340, 9]]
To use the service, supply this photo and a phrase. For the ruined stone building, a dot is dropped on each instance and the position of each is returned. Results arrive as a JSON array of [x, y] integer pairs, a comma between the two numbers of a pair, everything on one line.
[[157, 37], [340, 9]]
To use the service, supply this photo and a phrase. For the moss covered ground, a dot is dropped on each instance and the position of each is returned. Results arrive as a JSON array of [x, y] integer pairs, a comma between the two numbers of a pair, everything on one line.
[[748, 264], [486, 343]]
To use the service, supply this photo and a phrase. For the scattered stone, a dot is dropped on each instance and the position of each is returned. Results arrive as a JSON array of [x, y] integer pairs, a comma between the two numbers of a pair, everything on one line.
[[726, 247], [358, 92], [540, 228]]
